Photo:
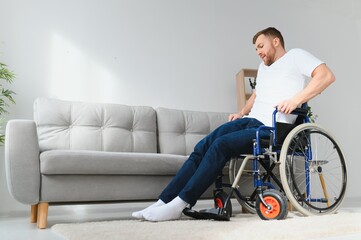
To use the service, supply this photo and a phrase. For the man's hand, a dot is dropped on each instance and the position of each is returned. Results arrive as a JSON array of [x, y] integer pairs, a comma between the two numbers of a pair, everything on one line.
[[287, 106], [234, 116]]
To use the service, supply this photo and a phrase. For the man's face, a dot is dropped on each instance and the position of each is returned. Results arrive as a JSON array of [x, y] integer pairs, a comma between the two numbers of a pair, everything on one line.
[[265, 49]]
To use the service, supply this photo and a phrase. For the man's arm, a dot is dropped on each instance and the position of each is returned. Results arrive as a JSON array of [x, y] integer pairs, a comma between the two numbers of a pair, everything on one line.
[[246, 109], [322, 77]]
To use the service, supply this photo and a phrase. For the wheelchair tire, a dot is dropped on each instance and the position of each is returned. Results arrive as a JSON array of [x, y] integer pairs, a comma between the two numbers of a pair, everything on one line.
[[313, 170], [278, 205], [220, 199]]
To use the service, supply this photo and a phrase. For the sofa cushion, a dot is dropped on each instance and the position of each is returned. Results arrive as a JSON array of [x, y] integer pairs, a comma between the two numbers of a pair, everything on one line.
[[104, 163], [94, 126], [179, 131]]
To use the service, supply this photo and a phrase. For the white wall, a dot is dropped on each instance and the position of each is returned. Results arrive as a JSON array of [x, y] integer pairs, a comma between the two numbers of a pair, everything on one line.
[[178, 54]]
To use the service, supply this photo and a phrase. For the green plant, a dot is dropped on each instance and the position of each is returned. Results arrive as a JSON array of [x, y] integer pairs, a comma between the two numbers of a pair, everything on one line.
[[6, 96], [310, 115]]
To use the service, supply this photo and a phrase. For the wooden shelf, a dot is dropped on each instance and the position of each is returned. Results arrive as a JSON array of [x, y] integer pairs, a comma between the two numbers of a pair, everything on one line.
[[244, 90]]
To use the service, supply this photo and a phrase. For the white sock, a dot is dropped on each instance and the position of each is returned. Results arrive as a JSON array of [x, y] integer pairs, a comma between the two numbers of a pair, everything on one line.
[[170, 211], [139, 214]]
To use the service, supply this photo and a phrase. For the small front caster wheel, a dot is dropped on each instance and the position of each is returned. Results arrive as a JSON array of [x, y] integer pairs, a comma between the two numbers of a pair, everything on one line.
[[276, 205], [220, 199]]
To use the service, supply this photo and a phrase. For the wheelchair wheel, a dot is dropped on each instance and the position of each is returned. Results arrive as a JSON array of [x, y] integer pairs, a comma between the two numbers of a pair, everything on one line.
[[220, 199], [313, 170], [277, 203], [249, 204]]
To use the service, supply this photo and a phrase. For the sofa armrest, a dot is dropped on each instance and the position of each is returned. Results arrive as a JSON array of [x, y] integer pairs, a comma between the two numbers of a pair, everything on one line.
[[22, 161]]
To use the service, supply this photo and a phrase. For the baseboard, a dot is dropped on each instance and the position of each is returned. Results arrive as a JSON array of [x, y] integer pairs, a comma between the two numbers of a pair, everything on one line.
[[352, 202]]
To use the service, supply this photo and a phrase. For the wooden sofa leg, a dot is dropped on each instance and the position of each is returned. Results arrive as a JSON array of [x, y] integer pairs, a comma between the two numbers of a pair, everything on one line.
[[34, 213], [43, 214]]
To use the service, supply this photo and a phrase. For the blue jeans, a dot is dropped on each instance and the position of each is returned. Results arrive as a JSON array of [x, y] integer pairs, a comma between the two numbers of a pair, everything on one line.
[[209, 157]]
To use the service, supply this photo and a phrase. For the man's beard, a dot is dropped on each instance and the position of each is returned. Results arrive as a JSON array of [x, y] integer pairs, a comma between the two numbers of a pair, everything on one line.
[[269, 60]]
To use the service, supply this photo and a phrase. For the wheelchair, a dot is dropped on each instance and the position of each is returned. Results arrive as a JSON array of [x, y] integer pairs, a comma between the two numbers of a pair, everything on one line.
[[300, 164]]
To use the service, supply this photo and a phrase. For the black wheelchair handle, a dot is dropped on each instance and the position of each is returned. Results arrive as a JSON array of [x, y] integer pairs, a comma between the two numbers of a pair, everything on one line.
[[297, 111], [300, 111]]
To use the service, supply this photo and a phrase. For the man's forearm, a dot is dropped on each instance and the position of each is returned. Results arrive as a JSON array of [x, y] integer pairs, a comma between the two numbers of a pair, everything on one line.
[[321, 79], [249, 104]]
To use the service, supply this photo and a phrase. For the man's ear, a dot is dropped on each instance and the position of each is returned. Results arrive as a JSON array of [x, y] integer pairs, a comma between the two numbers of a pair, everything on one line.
[[276, 42]]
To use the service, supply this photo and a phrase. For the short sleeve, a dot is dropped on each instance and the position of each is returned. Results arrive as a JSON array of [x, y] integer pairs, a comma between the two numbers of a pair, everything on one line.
[[305, 61]]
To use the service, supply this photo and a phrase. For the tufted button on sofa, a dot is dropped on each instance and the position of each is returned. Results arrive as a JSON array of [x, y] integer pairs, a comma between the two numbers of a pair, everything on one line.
[[80, 152]]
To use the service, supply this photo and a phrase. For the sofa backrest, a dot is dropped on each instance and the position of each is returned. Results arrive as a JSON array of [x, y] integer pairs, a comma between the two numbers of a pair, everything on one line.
[[95, 126], [179, 131]]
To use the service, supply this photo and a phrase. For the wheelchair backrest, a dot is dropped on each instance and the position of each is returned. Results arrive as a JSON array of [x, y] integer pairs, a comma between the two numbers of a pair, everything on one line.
[[283, 129]]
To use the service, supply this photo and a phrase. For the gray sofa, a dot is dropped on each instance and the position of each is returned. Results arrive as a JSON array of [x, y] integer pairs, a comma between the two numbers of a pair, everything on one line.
[[77, 152]]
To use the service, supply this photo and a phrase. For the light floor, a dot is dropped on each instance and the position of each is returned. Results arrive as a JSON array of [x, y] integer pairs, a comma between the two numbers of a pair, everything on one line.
[[16, 226]]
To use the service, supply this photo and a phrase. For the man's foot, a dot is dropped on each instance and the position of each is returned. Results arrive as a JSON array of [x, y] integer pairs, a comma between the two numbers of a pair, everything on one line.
[[139, 214], [170, 211]]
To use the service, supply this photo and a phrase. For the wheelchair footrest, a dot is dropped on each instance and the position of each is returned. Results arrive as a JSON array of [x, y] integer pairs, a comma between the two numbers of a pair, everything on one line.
[[212, 213]]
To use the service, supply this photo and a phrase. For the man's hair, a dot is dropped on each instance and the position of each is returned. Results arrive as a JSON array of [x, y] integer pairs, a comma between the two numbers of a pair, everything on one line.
[[270, 32]]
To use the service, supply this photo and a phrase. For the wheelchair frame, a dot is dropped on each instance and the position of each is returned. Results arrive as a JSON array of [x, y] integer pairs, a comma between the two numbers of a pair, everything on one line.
[[298, 188]]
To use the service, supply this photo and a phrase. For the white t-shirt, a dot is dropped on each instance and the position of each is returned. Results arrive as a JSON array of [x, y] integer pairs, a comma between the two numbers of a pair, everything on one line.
[[280, 81]]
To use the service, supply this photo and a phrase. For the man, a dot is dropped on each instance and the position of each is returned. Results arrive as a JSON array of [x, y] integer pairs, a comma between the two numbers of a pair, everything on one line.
[[280, 82]]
